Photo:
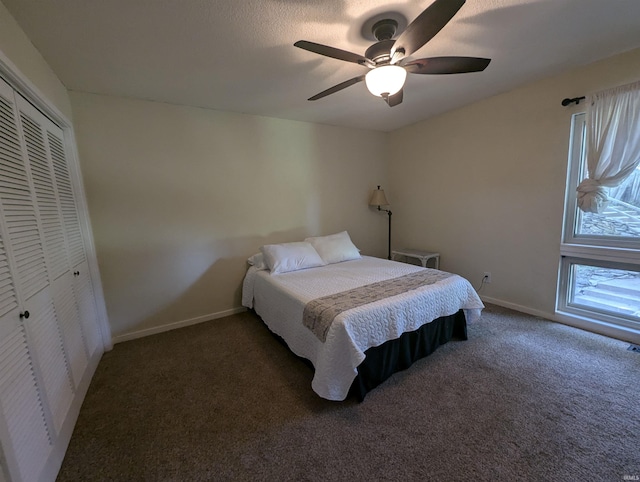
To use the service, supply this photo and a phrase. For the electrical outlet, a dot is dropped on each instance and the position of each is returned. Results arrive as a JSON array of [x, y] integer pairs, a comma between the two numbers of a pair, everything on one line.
[[487, 277]]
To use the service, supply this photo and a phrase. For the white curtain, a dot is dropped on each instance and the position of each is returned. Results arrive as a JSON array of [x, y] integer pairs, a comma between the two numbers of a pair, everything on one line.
[[613, 143]]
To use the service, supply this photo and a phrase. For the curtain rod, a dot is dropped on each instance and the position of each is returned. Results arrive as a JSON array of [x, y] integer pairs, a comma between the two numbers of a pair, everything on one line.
[[567, 101]]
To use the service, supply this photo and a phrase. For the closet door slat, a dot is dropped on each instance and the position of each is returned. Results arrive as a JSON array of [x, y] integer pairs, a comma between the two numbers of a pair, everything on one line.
[[67, 310], [46, 338], [45, 195], [67, 200], [19, 212], [21, 403], [8, 299]]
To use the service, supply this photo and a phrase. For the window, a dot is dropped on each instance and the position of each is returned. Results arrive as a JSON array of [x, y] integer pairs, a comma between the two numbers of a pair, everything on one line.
[[600, 253]]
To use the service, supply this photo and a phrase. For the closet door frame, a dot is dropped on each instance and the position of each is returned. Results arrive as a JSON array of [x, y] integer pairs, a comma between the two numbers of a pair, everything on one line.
[[29, 91]]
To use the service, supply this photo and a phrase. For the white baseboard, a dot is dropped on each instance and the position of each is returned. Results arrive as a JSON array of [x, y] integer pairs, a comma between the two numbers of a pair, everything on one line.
[[522, 309], [178, 324], [594, 326]]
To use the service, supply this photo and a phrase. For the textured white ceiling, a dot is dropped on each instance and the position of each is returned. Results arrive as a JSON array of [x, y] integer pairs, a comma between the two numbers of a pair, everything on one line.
[[238, 55]]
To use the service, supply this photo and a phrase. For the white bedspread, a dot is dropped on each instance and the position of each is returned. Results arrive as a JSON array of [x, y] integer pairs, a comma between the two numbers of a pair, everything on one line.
[[280, 300]]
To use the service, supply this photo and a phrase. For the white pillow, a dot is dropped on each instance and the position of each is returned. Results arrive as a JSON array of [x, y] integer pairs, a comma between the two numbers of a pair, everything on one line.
[[335, 248], [257, 261], [282, 258]]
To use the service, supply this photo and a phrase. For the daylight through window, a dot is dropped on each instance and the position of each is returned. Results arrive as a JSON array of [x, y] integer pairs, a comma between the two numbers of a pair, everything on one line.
[[600, 252]]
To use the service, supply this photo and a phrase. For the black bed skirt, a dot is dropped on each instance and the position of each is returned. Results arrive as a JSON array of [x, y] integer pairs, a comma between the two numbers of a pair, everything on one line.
[[396, 355]]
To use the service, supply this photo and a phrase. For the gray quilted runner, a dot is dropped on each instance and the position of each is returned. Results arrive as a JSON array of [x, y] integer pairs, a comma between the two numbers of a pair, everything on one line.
[[319, 313]]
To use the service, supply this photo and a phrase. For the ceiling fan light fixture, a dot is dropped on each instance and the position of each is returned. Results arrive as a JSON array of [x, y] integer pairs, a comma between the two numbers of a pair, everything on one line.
[[386, 79], [389, 59]]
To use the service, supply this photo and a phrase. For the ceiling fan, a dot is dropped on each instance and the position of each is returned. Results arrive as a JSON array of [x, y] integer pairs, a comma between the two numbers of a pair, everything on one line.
[[388, 60]]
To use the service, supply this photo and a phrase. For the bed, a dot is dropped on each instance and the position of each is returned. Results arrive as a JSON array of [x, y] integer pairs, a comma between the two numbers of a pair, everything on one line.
[[350, 354]]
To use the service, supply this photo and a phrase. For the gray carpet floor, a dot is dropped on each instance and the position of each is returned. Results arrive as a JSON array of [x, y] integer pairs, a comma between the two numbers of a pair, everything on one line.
[[522, 399]]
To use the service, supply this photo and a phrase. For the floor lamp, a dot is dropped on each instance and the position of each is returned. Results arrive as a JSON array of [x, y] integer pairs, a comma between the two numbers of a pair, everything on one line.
[[379, 199]]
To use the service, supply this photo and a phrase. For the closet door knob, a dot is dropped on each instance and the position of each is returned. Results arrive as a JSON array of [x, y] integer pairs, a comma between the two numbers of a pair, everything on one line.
[[24, 314], [76, 273]]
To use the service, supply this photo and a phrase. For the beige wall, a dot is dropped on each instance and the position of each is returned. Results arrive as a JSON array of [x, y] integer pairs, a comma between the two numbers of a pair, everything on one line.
[[17, 47], [179, 197], [485, 184]]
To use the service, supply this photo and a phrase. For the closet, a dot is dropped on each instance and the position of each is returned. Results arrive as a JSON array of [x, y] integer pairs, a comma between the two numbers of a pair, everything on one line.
[[50, 340]]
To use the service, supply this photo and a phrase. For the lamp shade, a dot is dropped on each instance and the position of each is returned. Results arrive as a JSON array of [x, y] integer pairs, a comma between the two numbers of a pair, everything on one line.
[[387, 79], [378, 198]]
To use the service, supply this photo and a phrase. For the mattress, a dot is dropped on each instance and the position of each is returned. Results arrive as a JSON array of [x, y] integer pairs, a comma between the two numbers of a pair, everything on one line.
[[280, 300]]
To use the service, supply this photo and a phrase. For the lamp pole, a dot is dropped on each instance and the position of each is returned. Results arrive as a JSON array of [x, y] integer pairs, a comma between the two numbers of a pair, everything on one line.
[[388, 211], [379, 199], [389, 244]]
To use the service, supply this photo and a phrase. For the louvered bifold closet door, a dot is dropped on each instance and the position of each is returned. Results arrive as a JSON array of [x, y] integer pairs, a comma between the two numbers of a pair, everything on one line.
[[46, 327], [83, 287], [34, 130], [25, 429]]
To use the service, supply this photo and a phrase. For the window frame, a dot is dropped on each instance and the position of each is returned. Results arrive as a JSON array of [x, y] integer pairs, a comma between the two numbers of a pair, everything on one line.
[[572, 215], [616, 252], [566, 306]]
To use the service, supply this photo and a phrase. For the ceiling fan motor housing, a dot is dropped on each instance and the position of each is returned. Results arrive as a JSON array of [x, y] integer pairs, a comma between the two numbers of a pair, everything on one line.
[[383, 30], [379, 52]]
